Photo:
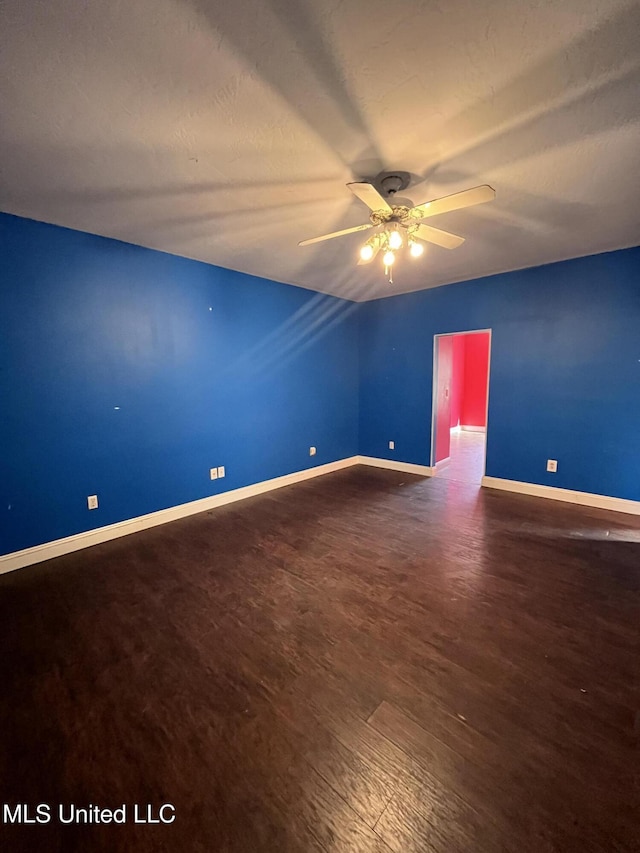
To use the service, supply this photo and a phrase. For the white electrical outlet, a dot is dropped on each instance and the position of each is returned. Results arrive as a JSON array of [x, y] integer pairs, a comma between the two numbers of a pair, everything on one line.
[[312, 451], [552, 465], [392, 445], [220, 472], [92, 502], [213, 473]]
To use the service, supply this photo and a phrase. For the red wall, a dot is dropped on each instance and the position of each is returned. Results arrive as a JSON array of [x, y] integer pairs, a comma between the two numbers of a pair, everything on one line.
[[443, 398], [461, 394], [457, 379], [473, 407]]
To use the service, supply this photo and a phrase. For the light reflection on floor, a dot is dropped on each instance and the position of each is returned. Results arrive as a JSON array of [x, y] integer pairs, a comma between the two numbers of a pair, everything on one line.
[[595, 534]]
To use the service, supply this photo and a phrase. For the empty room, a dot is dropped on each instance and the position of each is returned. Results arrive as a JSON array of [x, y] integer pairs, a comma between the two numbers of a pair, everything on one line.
[[320, 426]]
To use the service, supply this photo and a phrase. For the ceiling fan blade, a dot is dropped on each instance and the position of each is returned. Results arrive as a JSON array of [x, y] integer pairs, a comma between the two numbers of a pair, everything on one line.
[[376, 245], [435, 235], [466, 198], [335, 234], [369, 195]]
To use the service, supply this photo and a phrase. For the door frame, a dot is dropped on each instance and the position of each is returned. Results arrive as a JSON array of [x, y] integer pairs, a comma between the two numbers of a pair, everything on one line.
[[434, 394]]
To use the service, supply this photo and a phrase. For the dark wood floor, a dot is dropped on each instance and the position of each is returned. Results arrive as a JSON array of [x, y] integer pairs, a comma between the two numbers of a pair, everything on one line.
[[364, 662]]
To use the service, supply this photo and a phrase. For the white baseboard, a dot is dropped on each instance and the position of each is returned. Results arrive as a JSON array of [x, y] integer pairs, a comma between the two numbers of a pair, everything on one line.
[[48, 550], [392, 465], [567, 495], [443, 463]]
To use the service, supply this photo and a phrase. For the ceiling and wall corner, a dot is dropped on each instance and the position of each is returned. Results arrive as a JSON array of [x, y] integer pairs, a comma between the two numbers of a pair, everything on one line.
[[227, 132]]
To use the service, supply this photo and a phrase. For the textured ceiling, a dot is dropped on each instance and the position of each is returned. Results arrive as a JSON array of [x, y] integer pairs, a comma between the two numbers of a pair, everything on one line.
[[227, 131]]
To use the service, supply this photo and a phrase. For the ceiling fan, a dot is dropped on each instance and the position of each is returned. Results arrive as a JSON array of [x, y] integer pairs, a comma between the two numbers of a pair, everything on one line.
[[400, 225]]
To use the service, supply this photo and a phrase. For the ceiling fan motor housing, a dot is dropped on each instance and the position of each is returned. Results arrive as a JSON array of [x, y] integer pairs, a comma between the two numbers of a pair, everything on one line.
[[399, 214]]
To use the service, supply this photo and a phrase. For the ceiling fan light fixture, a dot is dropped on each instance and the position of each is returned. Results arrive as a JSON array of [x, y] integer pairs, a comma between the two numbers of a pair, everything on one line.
[[388, 258], [415, 249], [366, 252]]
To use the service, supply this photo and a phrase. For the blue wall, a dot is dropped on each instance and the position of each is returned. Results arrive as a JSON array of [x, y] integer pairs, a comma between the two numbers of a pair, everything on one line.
[[565, 371], [128, 373]]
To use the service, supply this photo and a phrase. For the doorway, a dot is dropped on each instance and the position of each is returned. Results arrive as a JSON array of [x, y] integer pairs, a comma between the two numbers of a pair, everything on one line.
[[460, 405]]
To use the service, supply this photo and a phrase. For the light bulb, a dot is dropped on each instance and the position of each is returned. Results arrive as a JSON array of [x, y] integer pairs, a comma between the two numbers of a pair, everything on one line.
[[366, 252], [395, 240], [388, 258], [416, 249]]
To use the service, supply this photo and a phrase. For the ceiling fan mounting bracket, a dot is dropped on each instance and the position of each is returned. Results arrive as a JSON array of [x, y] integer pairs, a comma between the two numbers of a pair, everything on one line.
[[390, 183]]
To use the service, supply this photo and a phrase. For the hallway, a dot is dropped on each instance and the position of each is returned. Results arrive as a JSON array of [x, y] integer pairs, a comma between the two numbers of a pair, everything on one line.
[[467, 458]]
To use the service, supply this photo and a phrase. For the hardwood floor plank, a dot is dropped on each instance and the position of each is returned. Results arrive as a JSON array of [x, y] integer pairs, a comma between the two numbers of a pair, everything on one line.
[[364, 785], [497, 791]]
